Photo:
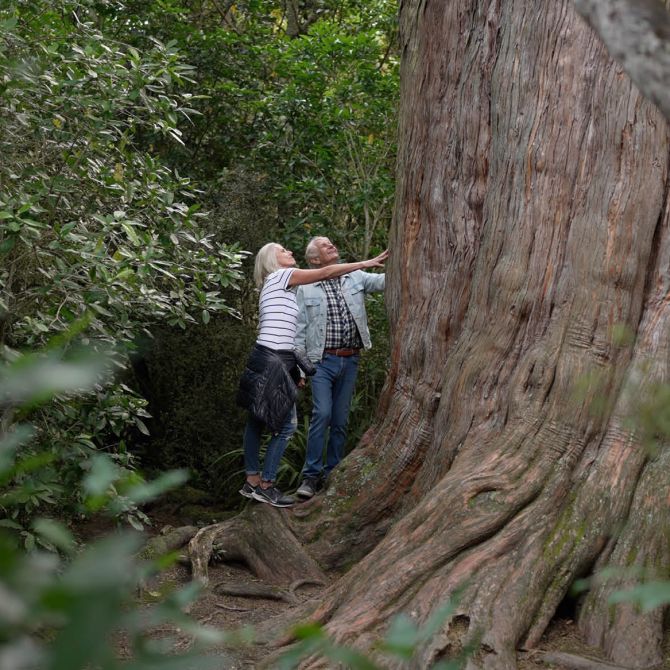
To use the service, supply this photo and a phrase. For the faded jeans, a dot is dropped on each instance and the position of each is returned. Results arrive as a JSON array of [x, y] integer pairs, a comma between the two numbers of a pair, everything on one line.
[[275, 449], [332, 390]]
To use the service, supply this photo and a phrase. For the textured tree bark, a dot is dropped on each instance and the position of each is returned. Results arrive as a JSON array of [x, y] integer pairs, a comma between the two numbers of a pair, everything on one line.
[[531, 230]]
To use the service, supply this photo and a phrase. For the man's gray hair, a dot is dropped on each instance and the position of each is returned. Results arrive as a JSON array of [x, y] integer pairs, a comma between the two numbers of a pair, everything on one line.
[[311, 252]]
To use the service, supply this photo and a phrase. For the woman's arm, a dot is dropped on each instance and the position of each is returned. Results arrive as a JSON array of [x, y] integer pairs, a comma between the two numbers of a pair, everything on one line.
[[299, 277]]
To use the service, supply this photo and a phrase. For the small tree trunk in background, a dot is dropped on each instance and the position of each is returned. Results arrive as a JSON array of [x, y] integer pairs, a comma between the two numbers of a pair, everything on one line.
[[292, 11], [531, 231]]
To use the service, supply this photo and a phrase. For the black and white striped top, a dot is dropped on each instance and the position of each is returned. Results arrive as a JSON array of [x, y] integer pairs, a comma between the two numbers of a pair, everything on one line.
[[278, 311]]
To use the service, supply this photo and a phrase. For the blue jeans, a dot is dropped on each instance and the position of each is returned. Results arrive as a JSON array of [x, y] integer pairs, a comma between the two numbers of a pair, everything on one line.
[[275, 449], [332, 389]]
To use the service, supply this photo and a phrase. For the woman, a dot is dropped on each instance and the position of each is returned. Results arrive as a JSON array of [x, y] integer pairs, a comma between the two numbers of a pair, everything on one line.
[[268, 385]]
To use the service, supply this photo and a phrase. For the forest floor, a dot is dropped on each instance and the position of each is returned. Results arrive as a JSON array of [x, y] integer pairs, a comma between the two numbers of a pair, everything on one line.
[[233, 613]]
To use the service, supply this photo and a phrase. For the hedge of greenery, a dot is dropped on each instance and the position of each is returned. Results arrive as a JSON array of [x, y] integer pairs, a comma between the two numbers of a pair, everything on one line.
[[145, 145]]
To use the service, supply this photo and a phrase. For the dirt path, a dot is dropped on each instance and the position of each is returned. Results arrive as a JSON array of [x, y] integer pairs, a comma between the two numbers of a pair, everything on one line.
[[228, 613]]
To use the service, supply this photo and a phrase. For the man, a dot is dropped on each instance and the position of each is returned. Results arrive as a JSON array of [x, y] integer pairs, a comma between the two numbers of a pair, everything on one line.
[[332, 329]]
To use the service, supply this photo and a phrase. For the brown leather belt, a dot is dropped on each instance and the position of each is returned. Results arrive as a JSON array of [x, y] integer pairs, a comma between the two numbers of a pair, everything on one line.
[[342, 352]]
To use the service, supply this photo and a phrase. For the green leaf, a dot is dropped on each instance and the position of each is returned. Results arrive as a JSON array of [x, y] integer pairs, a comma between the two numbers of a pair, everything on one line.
[[28, 540], [130, 231], [67, 228], [308, 631], [402, 637], [141, 425], [9, 24], [8, 523], [103, 472], [143, 493], [647, 596], [7, 245], [55, 533], [125, 274]]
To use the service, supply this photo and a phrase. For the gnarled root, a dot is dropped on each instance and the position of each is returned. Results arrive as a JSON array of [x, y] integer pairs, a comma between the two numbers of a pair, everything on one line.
[[261, 538]]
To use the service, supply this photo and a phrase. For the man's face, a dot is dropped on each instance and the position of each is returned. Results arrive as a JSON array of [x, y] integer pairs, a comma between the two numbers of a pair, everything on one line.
[[327, 252]]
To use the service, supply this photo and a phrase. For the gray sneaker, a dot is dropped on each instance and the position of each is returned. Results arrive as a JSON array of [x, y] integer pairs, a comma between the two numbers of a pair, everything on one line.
[[309, 486], [247, 490], [272, 496]]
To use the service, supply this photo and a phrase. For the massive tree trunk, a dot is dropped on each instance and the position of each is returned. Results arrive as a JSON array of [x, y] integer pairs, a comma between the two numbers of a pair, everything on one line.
[[531, 232]]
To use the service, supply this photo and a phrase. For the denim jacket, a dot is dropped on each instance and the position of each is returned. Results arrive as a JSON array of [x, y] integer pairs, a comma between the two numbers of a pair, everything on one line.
[[312, 305]]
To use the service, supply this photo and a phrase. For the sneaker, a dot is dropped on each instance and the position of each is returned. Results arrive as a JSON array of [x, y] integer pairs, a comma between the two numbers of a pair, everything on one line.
[[247, 490], [272, 496], [309, 486]]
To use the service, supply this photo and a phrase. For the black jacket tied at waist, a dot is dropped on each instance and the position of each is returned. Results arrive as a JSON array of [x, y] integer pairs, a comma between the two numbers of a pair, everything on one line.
[[268, 386]]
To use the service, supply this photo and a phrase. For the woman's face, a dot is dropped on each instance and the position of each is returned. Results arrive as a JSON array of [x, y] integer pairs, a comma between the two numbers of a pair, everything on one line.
[[285, 257]]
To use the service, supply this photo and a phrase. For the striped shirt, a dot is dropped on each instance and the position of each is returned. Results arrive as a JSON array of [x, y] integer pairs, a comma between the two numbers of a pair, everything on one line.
[[278, 311]]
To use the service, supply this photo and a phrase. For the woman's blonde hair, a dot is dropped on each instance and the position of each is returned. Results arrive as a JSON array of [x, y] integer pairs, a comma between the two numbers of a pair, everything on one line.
[[266, 263]]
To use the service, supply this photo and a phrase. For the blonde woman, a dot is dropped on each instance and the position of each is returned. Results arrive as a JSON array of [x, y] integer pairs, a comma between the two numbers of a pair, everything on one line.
[[268, 385]]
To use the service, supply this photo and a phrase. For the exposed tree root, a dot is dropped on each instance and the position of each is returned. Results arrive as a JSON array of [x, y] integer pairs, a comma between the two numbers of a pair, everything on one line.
[[160, 545], [169, 541], [304, 582], [630, 637], [255, 591], [230, 608], [575, 662], [261, 538]]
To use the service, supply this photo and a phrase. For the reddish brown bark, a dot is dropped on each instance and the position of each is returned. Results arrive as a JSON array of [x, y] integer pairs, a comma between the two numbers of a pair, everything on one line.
[[531, 227]]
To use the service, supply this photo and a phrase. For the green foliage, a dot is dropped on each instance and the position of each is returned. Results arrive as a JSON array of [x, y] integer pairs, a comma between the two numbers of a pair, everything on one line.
[[99, 237], [63, 614], [336, 100], [192, 378], [641, 586], [647, 595], [92, 222], [294, 136], [312, 114], [372, 371], [287, 134]]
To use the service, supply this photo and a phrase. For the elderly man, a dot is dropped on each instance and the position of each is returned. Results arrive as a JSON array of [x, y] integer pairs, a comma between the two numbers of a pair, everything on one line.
[[332, 329]]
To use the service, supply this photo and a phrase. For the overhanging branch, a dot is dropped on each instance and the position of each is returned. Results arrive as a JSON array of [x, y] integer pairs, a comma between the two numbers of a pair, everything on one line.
[[636, 34]]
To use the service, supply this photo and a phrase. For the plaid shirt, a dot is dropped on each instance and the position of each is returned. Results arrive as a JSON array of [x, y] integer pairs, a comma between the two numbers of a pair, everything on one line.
[[341, 330]]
